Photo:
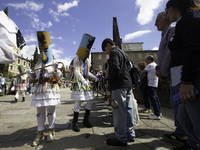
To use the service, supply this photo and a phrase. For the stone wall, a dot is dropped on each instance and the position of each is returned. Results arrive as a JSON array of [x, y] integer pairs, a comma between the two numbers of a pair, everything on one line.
[[163, 94]]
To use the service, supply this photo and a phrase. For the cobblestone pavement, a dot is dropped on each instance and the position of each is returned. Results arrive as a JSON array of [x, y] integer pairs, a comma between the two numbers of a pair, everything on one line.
[[18, 127]]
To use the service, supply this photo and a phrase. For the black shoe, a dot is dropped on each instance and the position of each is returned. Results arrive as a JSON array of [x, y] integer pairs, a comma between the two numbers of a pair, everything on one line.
[[185, 147], [15, 101], [87, 124], [23, 99], [75, 127], [115, 142], [131, 140], [175, 138]]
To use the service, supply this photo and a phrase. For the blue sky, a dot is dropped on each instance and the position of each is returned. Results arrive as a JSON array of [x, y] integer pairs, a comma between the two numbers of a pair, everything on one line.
[[68, 20]]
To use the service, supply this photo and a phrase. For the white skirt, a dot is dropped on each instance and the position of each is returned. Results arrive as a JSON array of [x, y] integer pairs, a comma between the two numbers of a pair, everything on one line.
[[82, 95], [45, 99]]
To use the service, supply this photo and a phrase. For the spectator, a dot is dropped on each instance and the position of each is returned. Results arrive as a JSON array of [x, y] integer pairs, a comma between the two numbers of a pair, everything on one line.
[[151, 88], [164, 56], [142, 85], [96, 83], [185, 66], [2, 81], [6, 87], [121, 86]]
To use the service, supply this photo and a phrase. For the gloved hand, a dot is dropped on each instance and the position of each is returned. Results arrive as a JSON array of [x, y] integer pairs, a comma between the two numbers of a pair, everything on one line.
[[29, 71], [85, 83], [55, 65]]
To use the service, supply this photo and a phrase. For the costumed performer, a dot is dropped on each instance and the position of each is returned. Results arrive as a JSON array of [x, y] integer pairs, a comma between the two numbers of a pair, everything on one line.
[[81, 88], [21, 84], [45, 90]]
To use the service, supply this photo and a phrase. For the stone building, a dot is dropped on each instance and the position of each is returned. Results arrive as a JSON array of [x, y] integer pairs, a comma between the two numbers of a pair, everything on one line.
[[133, 50], [12, 68]]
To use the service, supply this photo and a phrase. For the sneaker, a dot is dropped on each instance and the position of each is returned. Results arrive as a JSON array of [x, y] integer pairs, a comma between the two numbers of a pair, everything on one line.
[[51, 135], [115, 142], [175, 138], [160, 114], [30, 94], [154, 117], [131, 140], [147, 111], [185, 147]]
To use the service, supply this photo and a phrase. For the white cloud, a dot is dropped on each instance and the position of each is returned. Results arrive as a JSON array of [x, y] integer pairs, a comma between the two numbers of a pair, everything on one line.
[[28, 51], [147, 9], [36, 23], [62, 9], [67, 6], [155, 48], [134, 35], [56, 38], [30, 38], [74, 42], [28, 5]]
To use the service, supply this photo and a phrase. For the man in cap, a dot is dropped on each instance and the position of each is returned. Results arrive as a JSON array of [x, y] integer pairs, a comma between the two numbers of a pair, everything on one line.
[[120, 84]]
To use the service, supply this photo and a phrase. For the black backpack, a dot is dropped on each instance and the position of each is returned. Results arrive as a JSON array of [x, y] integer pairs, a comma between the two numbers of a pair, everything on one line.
[[134, 73]]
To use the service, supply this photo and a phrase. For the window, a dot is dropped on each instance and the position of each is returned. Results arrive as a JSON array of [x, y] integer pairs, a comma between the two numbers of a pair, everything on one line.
[[29, 64], [99, 56], [140, 56], [24, 63], [11, 67], [18, 61], [100, 67]]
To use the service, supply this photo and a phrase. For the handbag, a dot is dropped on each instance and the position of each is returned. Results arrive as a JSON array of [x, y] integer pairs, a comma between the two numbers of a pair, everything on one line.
[[135, 110], [13, 88]]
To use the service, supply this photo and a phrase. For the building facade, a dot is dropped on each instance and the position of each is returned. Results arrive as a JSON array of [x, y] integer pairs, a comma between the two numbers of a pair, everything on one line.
[[13, 68], [133, 50]]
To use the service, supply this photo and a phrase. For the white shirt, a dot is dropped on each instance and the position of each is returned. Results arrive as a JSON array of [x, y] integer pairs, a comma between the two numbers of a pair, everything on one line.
[[152, 78], [2, 80]]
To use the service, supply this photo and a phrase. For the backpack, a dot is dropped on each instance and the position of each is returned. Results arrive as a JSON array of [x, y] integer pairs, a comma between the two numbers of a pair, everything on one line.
[[134, 73]]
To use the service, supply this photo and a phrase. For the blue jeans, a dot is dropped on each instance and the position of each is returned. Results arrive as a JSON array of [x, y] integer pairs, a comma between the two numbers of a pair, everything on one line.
[[147, 103], [179, 131], [30, 90], [188, 116], [123, 115], [152, 95]]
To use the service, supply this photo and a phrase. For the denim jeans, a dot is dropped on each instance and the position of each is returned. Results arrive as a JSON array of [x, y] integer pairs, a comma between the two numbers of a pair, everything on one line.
[[123, 115], [191, 113], [179, 131], [147, 103], [152, 95], [30, 90]]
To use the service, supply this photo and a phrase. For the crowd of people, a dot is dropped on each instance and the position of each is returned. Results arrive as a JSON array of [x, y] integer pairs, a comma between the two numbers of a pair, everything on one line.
[[178, 64]]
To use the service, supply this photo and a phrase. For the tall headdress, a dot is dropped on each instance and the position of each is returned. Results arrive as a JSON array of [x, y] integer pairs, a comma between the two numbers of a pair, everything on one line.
[[85, 46], [44, 43]]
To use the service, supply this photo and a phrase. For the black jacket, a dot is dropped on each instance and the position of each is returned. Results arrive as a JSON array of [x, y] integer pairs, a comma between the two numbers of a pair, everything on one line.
[[185, 45], [119, 70]]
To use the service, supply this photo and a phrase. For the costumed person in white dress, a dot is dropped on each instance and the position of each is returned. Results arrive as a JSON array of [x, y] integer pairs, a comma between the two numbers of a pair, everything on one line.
[[81, 88], [45, 90], [21, 84]]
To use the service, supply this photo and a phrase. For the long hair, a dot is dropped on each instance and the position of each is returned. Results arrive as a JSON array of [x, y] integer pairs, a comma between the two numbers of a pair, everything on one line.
[[142, 65], [183, 5]]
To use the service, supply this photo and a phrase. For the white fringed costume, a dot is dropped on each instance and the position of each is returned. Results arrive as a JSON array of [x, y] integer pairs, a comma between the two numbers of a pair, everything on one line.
[[80, 74], [21, 85], [46, 94]]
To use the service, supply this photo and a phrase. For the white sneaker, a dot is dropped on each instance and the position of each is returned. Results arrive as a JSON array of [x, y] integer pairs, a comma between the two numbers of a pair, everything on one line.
[[27, 92], [160, 114], [30, 94], [154, 117]]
